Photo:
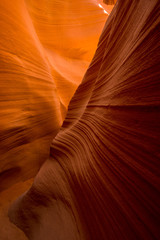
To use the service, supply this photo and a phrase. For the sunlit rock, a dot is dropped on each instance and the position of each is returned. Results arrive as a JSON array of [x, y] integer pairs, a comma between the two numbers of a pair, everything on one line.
[[101, 180], [45, 49]]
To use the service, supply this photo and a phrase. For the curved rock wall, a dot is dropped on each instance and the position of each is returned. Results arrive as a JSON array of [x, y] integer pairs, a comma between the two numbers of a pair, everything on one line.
[[102, 178], [45, 49]]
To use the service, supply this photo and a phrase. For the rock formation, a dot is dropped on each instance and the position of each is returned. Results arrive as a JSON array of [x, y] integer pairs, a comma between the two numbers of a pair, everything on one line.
[[45, 49], [102, 178]]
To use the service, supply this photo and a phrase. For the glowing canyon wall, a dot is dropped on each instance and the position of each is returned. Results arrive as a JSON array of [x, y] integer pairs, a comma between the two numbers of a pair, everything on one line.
[[45, 49], [101, 180]]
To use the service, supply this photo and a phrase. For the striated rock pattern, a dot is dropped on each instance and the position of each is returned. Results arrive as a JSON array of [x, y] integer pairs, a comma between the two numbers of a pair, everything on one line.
[[102, 178], [45, 49]]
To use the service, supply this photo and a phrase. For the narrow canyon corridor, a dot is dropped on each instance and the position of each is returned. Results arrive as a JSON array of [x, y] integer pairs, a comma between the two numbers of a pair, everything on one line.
[[80, 120]]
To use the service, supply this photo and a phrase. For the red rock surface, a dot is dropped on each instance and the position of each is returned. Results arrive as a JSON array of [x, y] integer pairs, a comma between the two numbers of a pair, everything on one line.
[[102, 178]]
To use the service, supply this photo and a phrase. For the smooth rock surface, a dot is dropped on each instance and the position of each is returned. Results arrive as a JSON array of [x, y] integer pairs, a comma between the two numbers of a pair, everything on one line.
[[102, 178], [45, 49]]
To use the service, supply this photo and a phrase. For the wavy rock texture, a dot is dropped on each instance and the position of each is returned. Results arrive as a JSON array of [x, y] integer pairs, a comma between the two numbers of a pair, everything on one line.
[[102, 179], [45, 49]]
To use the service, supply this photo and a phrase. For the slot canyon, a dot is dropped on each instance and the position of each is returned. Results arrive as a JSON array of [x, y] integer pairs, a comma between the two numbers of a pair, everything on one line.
[[80, 120]]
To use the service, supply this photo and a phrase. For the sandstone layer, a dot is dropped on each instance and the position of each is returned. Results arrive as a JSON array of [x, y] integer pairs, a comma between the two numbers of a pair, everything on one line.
[[102, 178], [45, 49]]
